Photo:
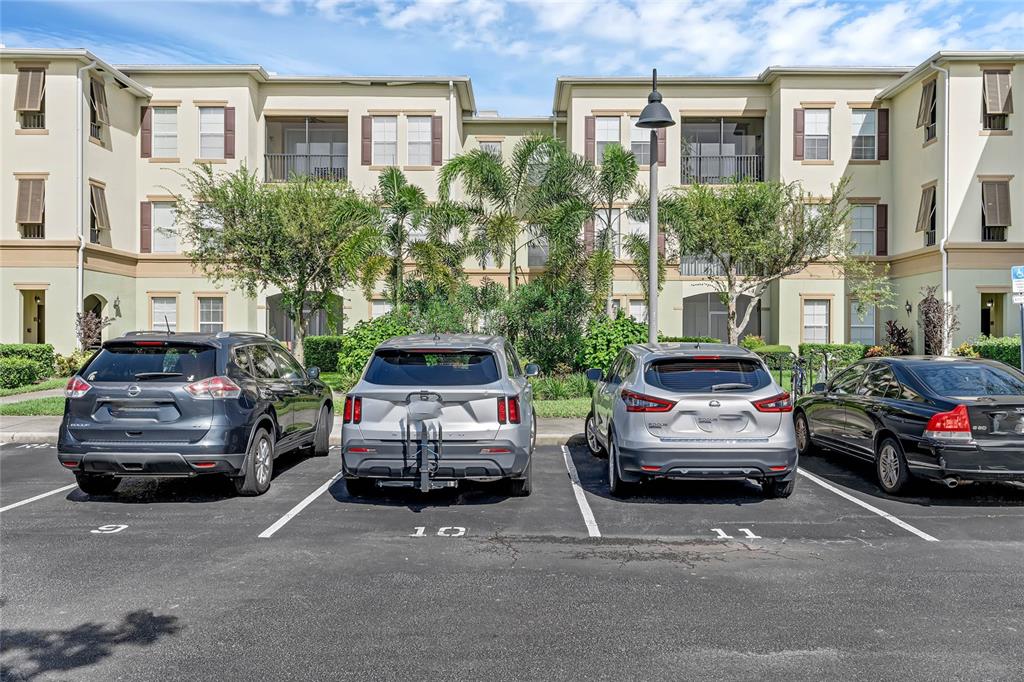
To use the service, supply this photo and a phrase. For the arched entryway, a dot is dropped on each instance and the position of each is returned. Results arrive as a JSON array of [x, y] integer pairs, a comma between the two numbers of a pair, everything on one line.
[[706, 315], [321, 322]]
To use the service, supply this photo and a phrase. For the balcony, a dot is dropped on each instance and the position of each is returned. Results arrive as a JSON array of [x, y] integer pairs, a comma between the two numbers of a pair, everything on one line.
[[720, 149], [283, 167], [306, 146], [993, 233], [33, 120], [929, 238], [718, 170], [696, 266]]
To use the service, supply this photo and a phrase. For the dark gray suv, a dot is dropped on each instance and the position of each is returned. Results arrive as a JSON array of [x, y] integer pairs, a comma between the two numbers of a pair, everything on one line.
[[166, 404]]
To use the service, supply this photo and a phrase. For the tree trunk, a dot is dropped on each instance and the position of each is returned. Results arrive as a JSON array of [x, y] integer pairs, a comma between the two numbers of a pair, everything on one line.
[[299, 345], [512, 268], [734, 333]]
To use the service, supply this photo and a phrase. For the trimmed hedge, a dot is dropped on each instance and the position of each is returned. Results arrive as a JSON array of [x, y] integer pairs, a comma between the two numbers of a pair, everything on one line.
[[40, 353], [68, 365], [1002, 348], [840, 355], [16, 372], [322, 352], [605, 338]]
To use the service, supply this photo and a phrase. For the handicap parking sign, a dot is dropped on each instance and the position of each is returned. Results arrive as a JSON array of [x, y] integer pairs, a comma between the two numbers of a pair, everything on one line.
[[1017, 275]]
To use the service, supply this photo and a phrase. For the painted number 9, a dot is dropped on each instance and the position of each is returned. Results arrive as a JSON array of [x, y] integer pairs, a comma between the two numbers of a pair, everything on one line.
[[108, 529]]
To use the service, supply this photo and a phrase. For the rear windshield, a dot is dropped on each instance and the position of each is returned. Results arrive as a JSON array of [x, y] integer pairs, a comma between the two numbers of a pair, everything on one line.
[[432, 368], [693, 375], [171, 363], [967, 380]]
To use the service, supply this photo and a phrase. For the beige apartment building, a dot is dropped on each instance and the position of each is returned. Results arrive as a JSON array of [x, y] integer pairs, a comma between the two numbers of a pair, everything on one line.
[[90, 156]]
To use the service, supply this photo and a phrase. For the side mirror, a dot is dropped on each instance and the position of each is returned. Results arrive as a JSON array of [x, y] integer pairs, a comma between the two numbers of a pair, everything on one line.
[[594, 374], [818, 388], [531, 369], [313, 372]]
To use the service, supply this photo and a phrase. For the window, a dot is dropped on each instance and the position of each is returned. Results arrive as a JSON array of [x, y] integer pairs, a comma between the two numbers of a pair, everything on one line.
[[165, 133], [998, 100], [491, 147], [995, 210], [243, 358], [31, 210], [29, 98], [168, 362], [601, 222], [863, 229], [98, 114], [607, 132], [865, 134], [399, 367], [862, 330], [211, 132], [926, 215], [165, 237], [379, 307], [847, 382], [419, 140], [880, 383], [639, 142], [512, 362], [99, 217], [718, 150], [926, 115], [816, 320], [211, 314], [164, 313], [263, 364], [616, 307], [385, 140], [638, 309], [288, 366], [961, 379], [816, 133], [699, 375]]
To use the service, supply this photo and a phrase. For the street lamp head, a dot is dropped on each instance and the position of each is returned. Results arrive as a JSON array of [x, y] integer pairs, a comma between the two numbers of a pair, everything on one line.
[[655, 114]]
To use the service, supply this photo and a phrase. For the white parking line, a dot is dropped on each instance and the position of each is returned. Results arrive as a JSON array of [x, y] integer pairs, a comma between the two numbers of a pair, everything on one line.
[[581, 498], [294, 511], [884, 514], [38, 497]]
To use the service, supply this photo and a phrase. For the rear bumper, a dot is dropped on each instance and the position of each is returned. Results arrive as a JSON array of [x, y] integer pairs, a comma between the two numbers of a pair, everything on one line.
[[737, 463], [462, 460], [169, 464], [968, 462]]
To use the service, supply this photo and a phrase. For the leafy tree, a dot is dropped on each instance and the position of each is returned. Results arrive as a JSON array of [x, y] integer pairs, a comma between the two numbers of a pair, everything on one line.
[[615, 183], [307, 237], [403, 207], [546, 324], [637, 248]]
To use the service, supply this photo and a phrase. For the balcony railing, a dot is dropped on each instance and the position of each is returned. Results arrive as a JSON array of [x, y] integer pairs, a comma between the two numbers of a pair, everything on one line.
[[282, 167], [993, 233], [33, 120], [718, 170], [929, 238], [33, 231]]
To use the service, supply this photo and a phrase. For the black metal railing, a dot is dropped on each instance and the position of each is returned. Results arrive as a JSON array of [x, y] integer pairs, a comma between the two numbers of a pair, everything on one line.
[[993, 233], [717, 170], [33, 120], [282, 167], [33, 231], [698, 266], [929, 238]]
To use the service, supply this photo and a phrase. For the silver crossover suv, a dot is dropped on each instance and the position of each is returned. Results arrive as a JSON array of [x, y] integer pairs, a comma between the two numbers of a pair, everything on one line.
[[430, 411], [686, 410]]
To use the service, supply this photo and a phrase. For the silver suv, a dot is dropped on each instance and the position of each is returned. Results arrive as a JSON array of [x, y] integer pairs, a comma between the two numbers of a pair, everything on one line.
[[685, 410], [430, 411]]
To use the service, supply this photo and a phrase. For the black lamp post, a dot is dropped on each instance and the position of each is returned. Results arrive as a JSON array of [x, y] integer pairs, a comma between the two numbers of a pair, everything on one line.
[[655, 115]]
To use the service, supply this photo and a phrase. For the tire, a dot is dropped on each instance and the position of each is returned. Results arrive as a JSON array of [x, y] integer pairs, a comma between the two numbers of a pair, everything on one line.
[[321, 445], [360, 487], [891, 467], [522, 486], [774, 488], [804, 444], [92, 484], [258, 467], [616, 486], [593, 444]]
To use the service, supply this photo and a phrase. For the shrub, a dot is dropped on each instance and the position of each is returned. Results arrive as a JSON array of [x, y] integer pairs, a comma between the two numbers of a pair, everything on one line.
[[777, 356], [546, 324], [965, 350], [606, 337], [752, 342], [898, 340], [67, 365], [1002, 348], [687, 339], [322, 352], [837, 355], [16, 372], [875, 352], [41, 353], [357, 345], [561, 387]]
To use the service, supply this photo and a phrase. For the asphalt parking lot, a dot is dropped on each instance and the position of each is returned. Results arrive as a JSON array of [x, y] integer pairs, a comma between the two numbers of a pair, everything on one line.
[[689, 581]]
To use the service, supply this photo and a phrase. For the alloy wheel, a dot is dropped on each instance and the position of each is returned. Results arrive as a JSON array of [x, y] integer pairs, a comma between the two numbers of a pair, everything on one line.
[[263, 462], [592, 436], [889, 466], [802, 437]]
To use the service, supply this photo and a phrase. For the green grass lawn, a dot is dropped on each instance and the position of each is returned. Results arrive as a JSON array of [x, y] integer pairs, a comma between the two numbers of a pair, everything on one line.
[[569, 407], [36, 407], [44, 385], [333, 379]]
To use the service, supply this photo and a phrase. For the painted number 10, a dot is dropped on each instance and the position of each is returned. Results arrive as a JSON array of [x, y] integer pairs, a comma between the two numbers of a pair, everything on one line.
[[443, 531]]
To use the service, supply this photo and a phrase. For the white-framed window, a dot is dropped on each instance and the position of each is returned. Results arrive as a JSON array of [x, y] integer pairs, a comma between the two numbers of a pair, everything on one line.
[[379, 307], [165, 313], [165, 235], [862, 331], [211, 314], [601, 222], [815, 320], [638, 309], [211, 132], [419, 140], [639, 142], [816, 133], [865, 134], [862, 229], [491, 147], [385, 140], [606, 133], [616, 306], [165, 132]]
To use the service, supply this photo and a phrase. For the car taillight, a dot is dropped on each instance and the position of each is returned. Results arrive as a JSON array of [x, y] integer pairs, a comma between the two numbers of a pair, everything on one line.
[[353, 410], [76, 387], [638, 402], [502, 411], [777, 403], [952, 425], [513, 410], [214, 388]]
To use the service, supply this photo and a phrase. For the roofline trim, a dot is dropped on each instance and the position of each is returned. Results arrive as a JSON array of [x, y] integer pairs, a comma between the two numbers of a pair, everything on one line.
[[918, 71], [82, 55]]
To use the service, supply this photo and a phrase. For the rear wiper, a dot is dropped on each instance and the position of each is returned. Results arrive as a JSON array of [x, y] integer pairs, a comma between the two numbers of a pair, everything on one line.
[[155, 375], [729, 387]]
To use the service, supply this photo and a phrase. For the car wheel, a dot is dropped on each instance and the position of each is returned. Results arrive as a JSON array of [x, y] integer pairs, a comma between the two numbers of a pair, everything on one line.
[[593, 443], [322, 438], [616, 486], [891, 467], [774, 488], [522, 486], [92, 484], [360, 487], [804, 444], [259, 466]]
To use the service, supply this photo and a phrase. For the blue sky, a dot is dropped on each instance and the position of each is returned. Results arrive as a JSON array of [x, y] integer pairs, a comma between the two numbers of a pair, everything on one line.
[[513, 49]]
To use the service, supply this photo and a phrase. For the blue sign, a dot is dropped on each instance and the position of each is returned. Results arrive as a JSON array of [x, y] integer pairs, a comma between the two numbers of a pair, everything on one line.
[[1017, 275]]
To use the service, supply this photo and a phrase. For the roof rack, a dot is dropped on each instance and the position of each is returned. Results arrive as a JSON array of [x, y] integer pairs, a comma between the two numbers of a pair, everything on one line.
[[149, 332], [224, 335]]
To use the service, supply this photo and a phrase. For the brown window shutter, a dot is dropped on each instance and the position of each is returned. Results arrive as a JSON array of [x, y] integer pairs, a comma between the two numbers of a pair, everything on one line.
[[883, 134], [28, 94], [367, 141], [924, 108], [31, 201], [995, 203], [588, 236], [145, 227], [997, 92], [662, 147], [882, 230], [99, 101], [229, 132], [589, 138], [146, 132], [661, 243], [436, 136], [798, 134], [99, 207], [924, 211]]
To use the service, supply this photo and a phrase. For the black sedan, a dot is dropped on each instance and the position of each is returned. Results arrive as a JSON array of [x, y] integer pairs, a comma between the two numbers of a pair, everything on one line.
[[953, 420]]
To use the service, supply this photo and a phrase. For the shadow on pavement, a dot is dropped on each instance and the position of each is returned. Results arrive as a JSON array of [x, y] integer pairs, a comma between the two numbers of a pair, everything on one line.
[[29, 654], [466, 494]]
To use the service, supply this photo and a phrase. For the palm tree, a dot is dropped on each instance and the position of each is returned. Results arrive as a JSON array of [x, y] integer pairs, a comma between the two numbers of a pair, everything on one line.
[[615, 182], [403, 207]]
